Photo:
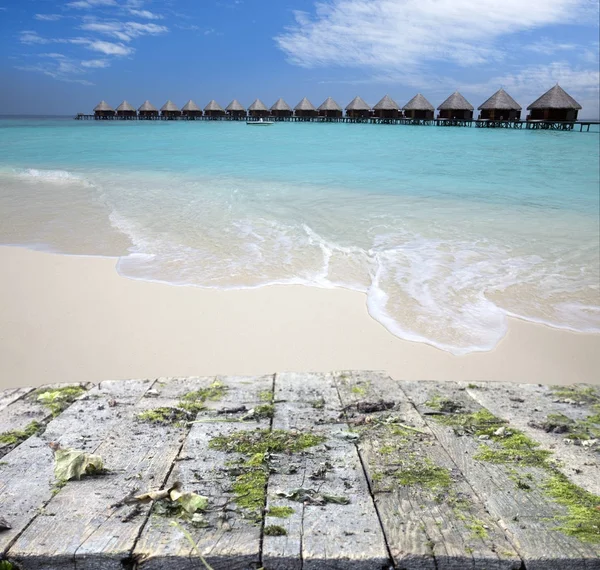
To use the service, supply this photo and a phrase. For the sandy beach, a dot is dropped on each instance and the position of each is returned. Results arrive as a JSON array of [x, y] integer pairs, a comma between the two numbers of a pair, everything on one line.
[[66, 318]]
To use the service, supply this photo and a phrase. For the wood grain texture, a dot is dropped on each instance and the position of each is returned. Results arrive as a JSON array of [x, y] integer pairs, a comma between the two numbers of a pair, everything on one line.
[[524, 405], [7, 397], [47, 528], [230, 541], [428, 523], [318, 537], [528, 515]]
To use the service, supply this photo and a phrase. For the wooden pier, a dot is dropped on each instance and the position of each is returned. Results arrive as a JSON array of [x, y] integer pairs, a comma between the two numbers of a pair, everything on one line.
[[339, 471], [482, 123]]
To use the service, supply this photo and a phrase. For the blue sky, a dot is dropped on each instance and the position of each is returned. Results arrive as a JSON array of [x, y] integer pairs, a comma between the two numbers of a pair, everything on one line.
[[64, 56]]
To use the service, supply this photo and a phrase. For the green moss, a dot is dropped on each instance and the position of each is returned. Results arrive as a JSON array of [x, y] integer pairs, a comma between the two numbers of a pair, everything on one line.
[[477, 528], [472, 386], [387, 449], [444, 405], [280, 512], [251, 442], [164, 416], [250, 474], [6, 565], [15, 437], [377, 476], [275, 530], [583, 513], [264, 412], [516, 448], [194, 401], [318, 404], [424, 472], [577, 393], [359, 390], [58, 399], [587, 428], [266, 396]]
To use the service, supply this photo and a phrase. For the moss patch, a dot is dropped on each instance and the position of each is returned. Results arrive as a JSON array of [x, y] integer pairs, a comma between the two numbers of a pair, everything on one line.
[[266, 396], [6, 565], [585, 394], [583, 508], [264, 412], [15, 437], [275, 530], [587, 428], [187, 407], [425, 473], [58, 399], [444, 405], [280, 512], [250, 474]]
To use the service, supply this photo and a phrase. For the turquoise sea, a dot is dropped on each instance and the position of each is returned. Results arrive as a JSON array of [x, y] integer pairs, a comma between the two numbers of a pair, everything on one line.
[[446, 230]]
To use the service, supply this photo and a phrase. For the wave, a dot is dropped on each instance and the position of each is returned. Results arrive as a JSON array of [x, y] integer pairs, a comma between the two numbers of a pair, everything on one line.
[[49, 175]]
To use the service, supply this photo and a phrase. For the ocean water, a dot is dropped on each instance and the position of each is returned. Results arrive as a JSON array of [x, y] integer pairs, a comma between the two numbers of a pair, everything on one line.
[[446, 231]]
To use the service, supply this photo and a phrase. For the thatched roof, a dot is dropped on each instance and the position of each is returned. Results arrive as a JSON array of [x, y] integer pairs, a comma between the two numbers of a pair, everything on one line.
[[387, 104], [125, 106], [358, 104], [555, 98], [258, 105], [329, 105], [169, 106], [304, 105], [501, 100], [235, 105], [213, 106], [147, 106], [103, 106], [456, 102], [418, 103], [191, 106], [280, 105]]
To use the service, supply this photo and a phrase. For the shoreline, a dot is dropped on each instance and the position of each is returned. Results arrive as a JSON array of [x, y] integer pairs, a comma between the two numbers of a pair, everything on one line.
[[67, 318]]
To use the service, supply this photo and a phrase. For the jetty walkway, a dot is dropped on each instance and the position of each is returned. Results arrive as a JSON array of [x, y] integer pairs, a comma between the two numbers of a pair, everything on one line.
[[484, 123], [347, 470]]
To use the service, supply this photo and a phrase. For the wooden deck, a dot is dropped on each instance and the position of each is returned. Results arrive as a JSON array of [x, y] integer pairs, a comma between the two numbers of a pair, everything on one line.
[[348, 470]]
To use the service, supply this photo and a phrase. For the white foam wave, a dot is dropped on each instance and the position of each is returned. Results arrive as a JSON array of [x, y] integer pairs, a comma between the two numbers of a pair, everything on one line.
[[49, 175]]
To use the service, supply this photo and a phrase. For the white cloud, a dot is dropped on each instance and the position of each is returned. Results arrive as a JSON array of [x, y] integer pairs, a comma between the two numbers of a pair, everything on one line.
[[88, 4], [396, 35], [124, 31], [95, 63], [548, 47], [48, 17], [145, 14], [108, 48], [31, 37]]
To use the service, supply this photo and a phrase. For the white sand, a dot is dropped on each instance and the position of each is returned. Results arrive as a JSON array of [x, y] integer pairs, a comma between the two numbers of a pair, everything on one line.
[[65, 319]]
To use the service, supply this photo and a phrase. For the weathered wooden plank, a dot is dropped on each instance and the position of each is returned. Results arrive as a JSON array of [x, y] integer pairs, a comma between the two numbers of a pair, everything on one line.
[[27, 415], [27, 473], [512, 493], [339, 536], [528, 405], [431, 516], [7, 397], [230, 541]]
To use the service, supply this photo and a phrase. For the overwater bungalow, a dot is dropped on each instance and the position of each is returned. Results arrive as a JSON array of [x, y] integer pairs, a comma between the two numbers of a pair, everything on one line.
[[305, 109], [213, 109], [456, 107], [500, 107], [191, 110], [147, 111], [281, 109], [126, 111], [258, 109], [419, 108], [235, 109], [358, 109], [103, 111], [170, 111], [387, 108], [329, 108], [554, 105]]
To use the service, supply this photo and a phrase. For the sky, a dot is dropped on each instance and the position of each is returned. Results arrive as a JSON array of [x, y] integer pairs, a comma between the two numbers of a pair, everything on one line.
[[64, 56]]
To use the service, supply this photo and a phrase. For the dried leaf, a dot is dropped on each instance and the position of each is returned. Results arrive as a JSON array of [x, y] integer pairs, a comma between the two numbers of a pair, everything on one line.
[[72, 464], [151, 496], [192, 503]]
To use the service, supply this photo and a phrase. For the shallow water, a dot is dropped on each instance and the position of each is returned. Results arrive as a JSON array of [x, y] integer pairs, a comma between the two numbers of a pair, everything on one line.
[[447, 231]]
